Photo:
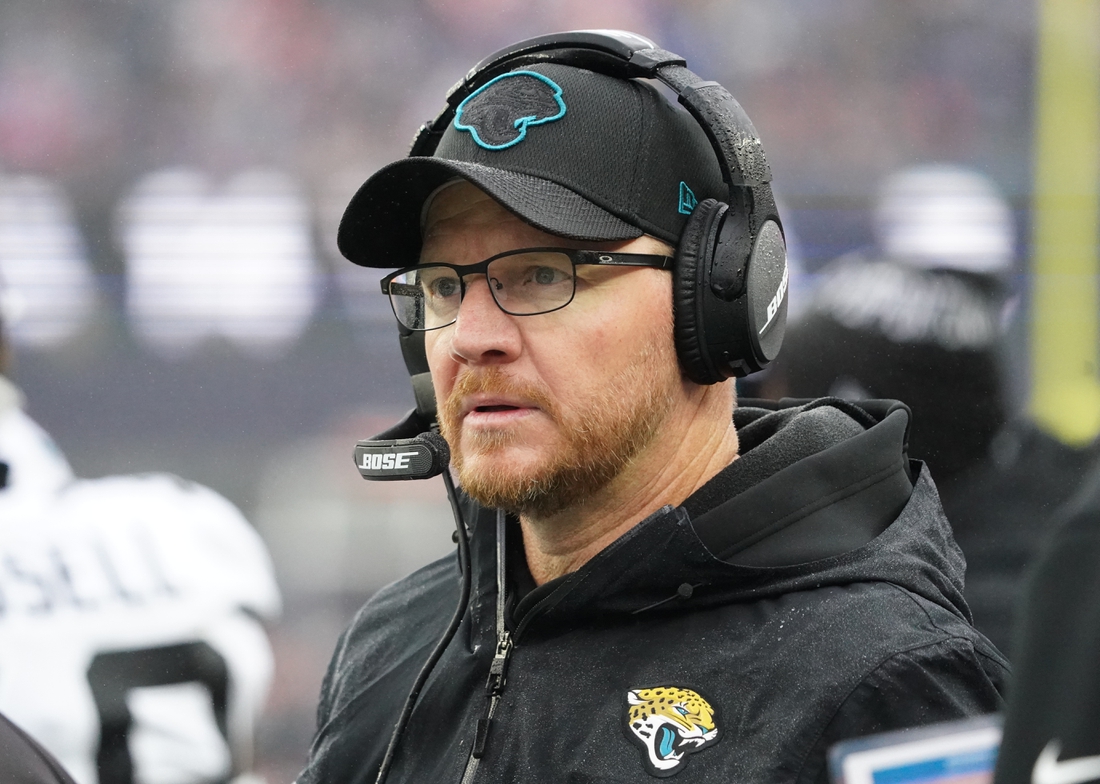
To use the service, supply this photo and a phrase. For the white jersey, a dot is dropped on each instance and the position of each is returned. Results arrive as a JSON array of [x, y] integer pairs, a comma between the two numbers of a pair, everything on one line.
[[130, 641], [35, 469]]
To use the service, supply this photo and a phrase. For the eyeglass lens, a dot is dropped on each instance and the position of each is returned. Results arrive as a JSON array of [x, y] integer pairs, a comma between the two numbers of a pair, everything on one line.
[[522, 284]]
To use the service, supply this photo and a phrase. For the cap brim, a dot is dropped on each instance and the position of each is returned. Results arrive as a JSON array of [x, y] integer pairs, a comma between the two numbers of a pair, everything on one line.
[[381, 225]]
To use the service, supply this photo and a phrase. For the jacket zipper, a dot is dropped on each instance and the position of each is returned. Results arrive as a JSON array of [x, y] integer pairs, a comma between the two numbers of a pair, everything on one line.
[[498, 670], [494, 687]]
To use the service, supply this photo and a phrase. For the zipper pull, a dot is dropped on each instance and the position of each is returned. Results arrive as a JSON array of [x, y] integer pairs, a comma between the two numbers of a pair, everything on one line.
[[498, 670], [498, 677]]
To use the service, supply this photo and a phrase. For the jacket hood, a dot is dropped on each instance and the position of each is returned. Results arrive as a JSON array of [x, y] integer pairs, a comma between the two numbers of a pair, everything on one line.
[[823, 494]]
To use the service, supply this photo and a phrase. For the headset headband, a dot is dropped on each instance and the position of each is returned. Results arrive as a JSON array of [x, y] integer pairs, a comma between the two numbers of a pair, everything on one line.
[[625, 55]]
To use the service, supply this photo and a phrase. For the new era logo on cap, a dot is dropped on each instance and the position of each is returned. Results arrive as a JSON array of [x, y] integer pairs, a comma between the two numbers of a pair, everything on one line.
[[499, 113], [688, 202]]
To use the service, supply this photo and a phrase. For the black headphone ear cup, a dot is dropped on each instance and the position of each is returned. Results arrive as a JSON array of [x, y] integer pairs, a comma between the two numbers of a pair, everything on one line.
[[692, 261]]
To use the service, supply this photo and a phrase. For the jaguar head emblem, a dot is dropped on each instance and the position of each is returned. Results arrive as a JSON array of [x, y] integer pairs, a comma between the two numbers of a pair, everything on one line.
[[668, 723], [500, 112]]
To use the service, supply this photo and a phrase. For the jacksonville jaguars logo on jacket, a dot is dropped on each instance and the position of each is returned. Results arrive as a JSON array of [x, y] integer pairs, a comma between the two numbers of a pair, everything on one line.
[[668, 723], [499, 113]]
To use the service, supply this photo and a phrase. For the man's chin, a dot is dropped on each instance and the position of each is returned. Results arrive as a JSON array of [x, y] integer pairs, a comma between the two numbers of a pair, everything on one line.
[[512, 479], [512, 464]]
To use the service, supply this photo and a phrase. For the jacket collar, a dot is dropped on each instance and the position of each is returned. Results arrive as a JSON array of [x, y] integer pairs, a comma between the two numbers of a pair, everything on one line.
[[810, 524]]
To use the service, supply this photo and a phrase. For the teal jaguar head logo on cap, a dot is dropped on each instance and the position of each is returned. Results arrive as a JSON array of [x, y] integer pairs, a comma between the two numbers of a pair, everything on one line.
[[498, 114]]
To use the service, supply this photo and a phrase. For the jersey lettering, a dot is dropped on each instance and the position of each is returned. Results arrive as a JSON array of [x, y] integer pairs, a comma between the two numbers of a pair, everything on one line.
[[80, 575], [113, 675]]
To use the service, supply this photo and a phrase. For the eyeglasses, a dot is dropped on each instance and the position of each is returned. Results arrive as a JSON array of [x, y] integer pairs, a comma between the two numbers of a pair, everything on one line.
[[523, 282]]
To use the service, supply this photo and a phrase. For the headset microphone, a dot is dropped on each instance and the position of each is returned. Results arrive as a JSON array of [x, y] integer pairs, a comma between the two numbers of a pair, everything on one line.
[[387, 460], [412, 449]]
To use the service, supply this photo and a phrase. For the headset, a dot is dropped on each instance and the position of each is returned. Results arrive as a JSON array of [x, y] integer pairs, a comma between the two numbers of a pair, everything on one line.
[[729, 279]]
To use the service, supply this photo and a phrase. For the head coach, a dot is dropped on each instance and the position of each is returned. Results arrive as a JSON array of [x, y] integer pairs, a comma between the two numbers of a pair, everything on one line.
[[658, 582]]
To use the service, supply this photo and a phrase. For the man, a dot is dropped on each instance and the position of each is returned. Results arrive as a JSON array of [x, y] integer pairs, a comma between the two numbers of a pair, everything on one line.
[[921, 318], [660, 582], [43, 472], [917, 316], [1052, 722], [131, 642], [1003, 510]]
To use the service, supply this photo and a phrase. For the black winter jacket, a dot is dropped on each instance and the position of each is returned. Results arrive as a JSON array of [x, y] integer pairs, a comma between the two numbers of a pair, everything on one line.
[[810, 592]]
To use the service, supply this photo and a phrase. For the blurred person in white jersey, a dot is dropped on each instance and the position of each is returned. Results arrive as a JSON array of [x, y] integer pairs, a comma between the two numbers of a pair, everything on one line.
[[131, 607]]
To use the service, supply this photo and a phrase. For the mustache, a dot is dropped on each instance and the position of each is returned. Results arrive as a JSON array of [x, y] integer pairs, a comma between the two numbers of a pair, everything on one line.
[[493, 380]]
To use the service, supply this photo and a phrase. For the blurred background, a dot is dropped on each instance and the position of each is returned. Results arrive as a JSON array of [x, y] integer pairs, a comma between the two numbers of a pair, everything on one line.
[[172, 172]]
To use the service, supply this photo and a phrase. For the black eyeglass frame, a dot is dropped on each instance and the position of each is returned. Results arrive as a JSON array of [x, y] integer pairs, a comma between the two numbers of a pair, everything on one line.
[[586, 257]]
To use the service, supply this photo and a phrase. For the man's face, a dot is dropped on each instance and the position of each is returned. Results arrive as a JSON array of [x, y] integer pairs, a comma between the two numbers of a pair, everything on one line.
[[543, 411]]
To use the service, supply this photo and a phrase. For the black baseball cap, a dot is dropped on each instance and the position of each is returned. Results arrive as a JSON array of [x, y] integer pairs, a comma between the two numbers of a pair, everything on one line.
[[573, 152]]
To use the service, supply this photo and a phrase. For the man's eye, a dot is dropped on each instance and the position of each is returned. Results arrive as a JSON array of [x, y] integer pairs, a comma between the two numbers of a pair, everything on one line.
[[442, 287], [546, 276]]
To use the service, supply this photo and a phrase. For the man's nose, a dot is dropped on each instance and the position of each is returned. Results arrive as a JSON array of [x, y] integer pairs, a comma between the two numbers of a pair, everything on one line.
[[483, 333]]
